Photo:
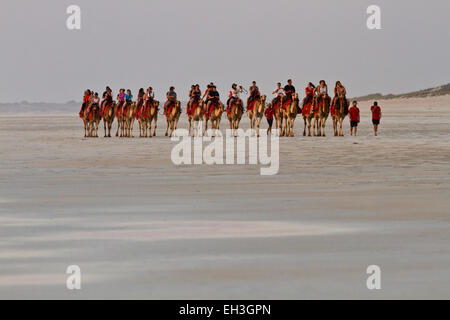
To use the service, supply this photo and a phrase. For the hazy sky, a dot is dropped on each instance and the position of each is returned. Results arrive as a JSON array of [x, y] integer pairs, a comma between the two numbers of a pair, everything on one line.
[[141, 43]]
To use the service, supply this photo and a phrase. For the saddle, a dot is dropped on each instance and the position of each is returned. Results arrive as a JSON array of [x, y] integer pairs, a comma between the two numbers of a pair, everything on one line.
[[211, 108], [169, 108], [105, 108], [94, 107], [251, 105], [119, 110], [287, 102], [276, 103], [126, 108], [306, 110], [191, 109]]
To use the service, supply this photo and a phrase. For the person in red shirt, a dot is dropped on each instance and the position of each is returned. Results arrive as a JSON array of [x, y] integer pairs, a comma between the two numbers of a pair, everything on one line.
[[354, 118], [376, 117], [269, 117]]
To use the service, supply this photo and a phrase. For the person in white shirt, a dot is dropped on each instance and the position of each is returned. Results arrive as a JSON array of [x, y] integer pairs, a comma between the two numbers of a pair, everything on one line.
[[279, 94], [234, 94]]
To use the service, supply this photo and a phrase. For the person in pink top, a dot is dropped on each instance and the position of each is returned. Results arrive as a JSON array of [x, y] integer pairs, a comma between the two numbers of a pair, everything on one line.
[[353, 113]]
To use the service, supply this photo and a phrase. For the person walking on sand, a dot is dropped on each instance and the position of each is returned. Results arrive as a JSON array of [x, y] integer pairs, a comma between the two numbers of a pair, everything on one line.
[[376, 117], [269, 117], [354, 118]]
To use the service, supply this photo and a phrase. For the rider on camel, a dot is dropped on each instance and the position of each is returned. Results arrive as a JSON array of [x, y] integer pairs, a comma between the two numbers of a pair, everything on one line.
[[128, 98], [340, 93], [309, 93], [149, 95], [289, 90], [206, 95], [321, 90], [254, 94], [94, 100], [194, 96], [171, 99], [121, 97], [86, 100], [279, 94], [233, 95], [213, 97]]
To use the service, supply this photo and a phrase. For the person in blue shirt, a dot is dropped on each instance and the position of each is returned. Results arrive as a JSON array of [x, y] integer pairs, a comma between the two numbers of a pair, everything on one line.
[[128, 96]]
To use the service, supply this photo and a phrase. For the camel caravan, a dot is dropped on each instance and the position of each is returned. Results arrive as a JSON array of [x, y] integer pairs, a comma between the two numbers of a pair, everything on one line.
[[205, 112]]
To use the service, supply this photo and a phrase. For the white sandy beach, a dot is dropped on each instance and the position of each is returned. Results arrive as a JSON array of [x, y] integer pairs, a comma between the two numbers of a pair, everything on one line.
[[140, 227]]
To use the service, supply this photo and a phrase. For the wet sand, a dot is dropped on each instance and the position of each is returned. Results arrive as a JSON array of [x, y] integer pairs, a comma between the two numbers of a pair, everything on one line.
[[140, 227]]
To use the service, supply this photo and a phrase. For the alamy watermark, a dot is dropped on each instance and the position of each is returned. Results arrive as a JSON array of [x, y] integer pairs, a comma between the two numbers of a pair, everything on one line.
[[73, 281], [228, 150], [73, 21], [374, 19], [374, 280]]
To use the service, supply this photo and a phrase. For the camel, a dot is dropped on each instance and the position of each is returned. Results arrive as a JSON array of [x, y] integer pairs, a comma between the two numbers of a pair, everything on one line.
[[324, 111], [277, 114], [152, 116], [91, 120], [172, 116], [118, 111], [141, 117], [84, 116], [289, 115], [307, 113], [196, 119], [235, 115], [338, 113], [215, 116], [107, 115], [195, 115], [321, 110], [258, 113], [250, 112], [128, 115]]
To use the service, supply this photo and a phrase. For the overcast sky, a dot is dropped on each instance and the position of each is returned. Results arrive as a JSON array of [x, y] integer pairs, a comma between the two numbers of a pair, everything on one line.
[[158, 43]]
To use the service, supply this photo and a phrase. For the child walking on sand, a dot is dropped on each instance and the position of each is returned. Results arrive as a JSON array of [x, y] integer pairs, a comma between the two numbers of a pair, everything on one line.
[[354, 118], [376, 117]]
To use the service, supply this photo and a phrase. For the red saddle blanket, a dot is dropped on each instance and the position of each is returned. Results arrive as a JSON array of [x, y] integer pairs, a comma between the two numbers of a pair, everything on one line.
[[251, 105], [104, 109], [333, 110], [287, 103], [276, 106], [307, 109], [119, 110], [169, 109], [211, 108], [91, 114], [190, 110], [140, 111]]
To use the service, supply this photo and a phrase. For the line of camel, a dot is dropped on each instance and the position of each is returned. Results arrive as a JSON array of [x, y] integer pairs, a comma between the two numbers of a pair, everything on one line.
[[315, 112]]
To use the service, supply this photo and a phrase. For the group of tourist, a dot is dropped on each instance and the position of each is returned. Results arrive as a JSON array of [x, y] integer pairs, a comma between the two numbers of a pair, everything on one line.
[[313, 95]]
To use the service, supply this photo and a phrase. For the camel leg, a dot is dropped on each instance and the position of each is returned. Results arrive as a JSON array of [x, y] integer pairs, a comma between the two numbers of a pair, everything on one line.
[[304, 127], [323, 127], [154, 130], [292, 127], [167, 130], [206, 126], [257, 126]]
